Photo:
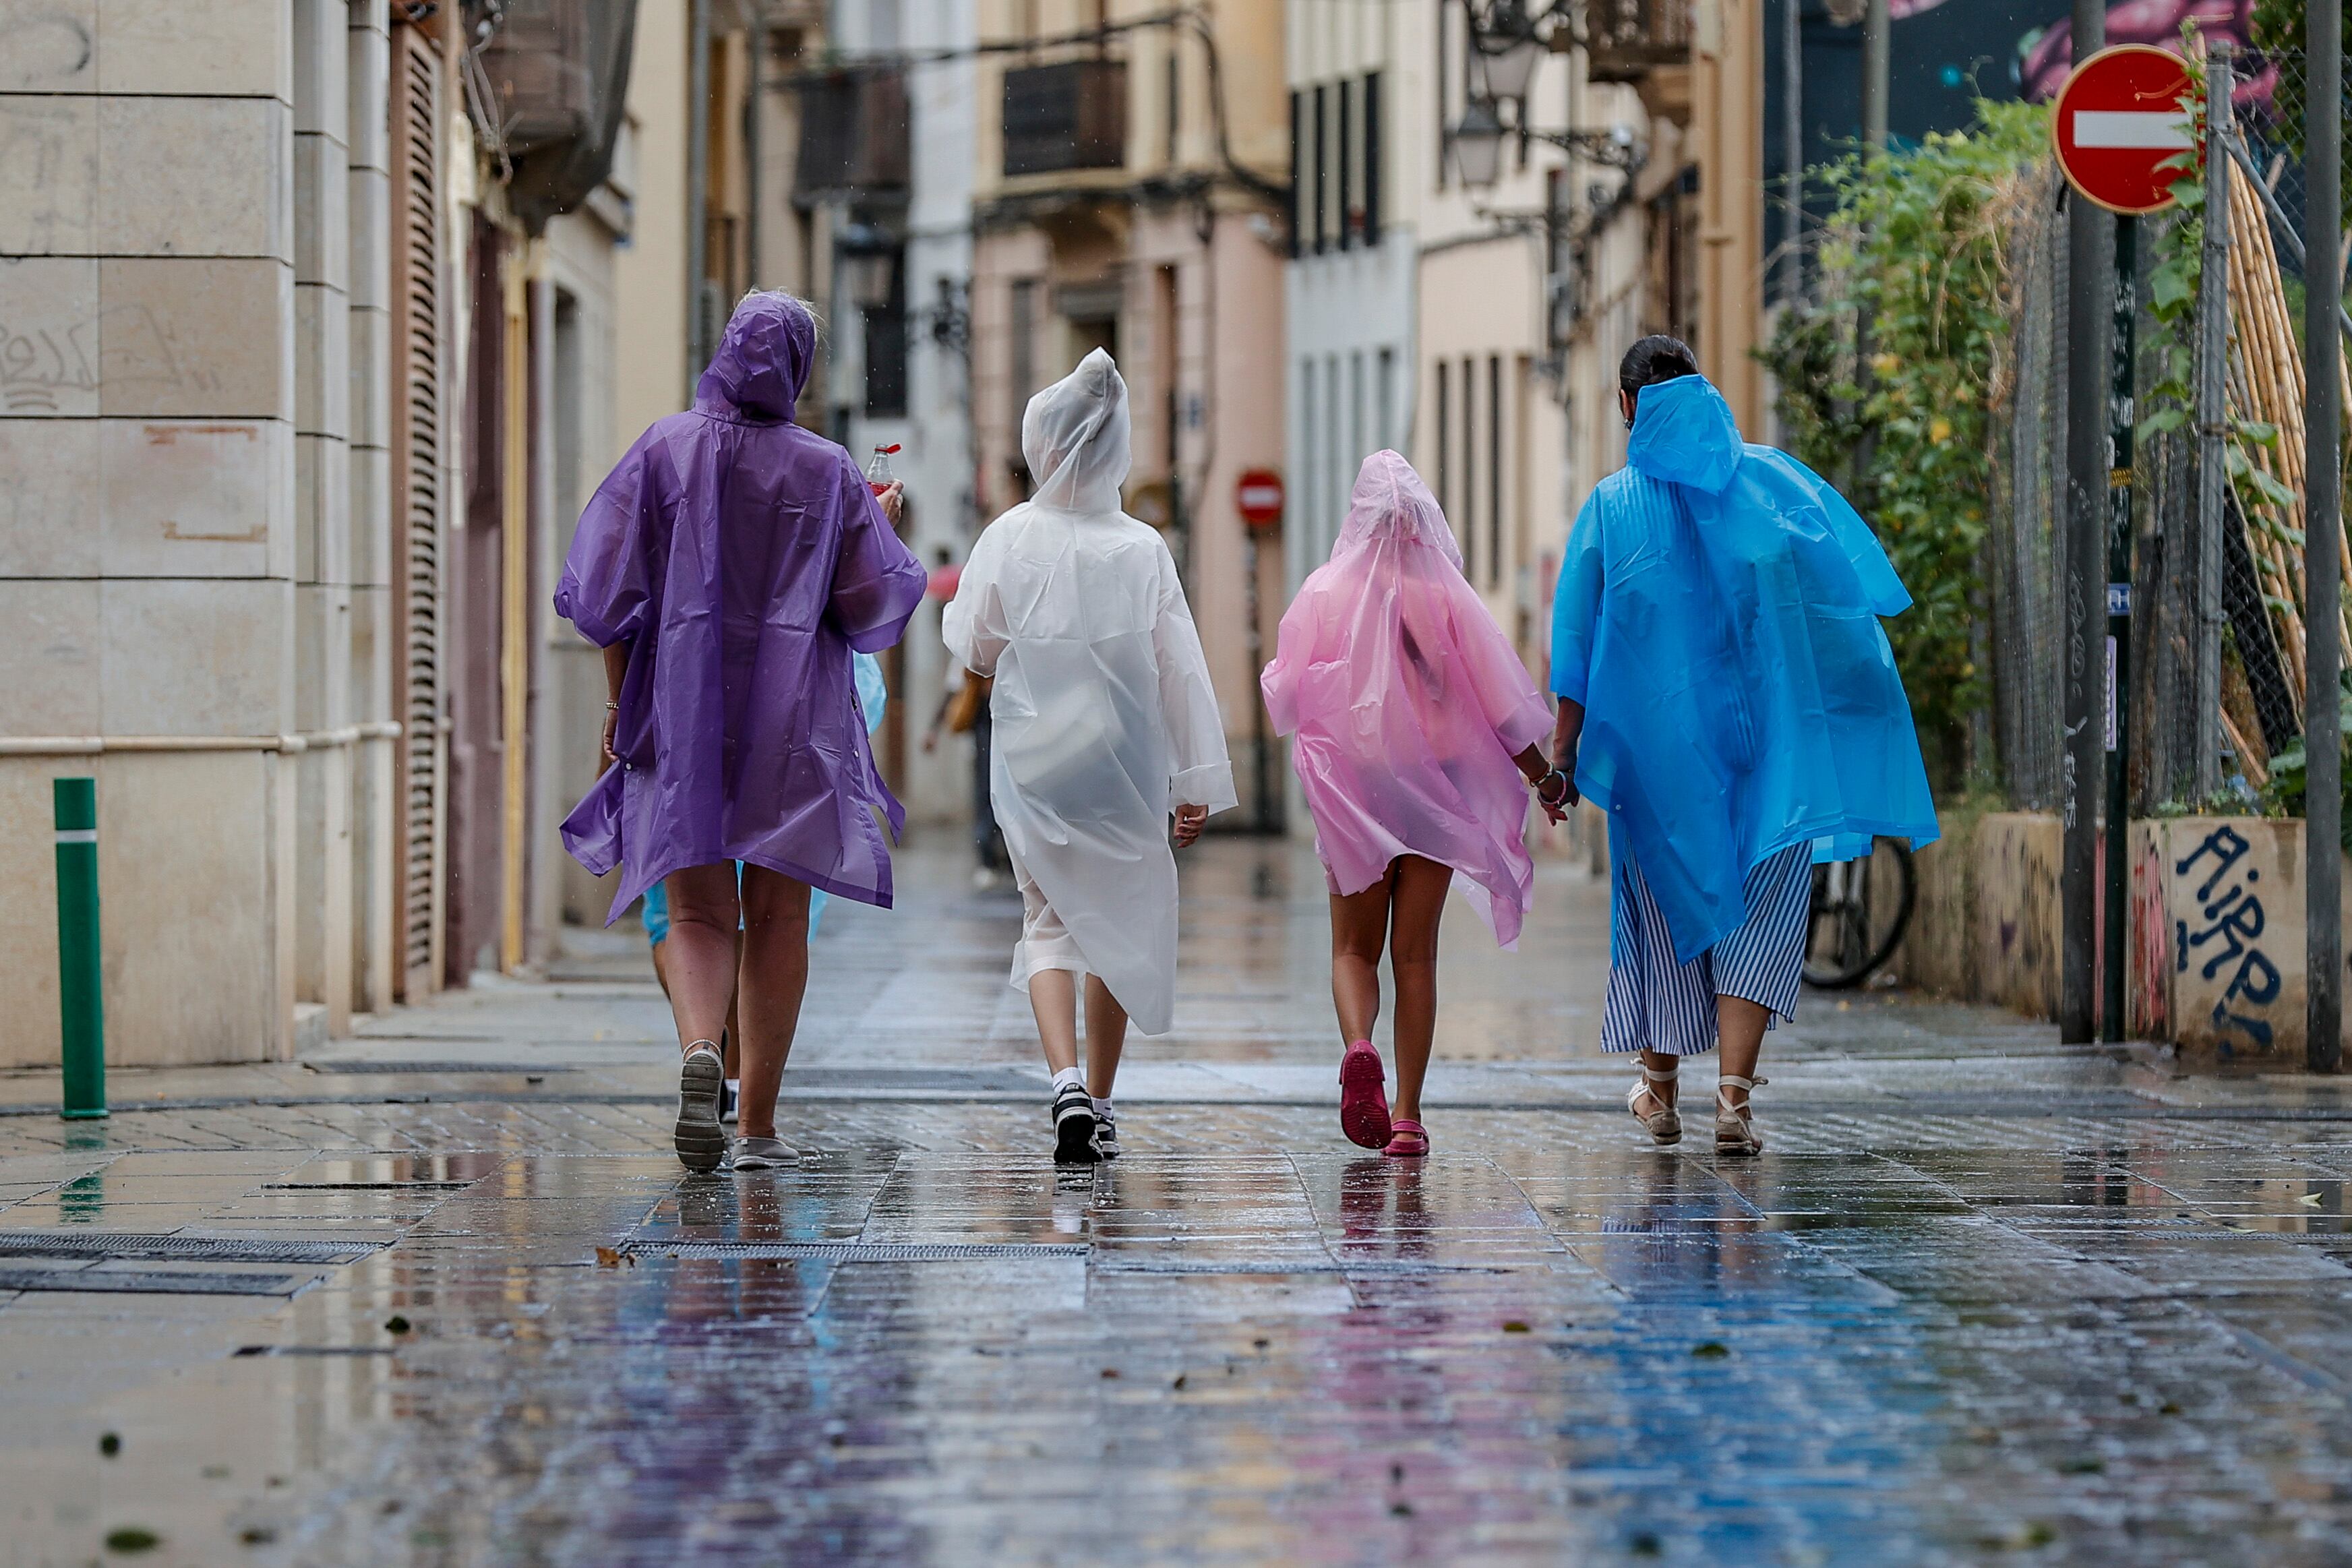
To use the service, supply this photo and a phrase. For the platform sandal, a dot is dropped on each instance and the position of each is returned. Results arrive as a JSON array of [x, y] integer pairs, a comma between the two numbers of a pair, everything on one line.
[[1734, 1125], [1666, 1123]]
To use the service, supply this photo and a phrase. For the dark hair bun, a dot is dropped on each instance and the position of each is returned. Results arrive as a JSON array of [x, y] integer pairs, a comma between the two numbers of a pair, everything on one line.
[[1654, 359]]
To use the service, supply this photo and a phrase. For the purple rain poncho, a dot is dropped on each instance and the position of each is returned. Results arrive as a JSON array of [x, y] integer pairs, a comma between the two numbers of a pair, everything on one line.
[[742, 559]]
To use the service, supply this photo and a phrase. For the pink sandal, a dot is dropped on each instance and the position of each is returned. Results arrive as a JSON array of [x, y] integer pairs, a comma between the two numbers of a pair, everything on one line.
[[1407, 1140], [1363, 1107]]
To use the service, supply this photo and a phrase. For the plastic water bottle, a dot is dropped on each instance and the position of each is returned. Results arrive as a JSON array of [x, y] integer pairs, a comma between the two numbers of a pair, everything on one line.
[[878, 475]]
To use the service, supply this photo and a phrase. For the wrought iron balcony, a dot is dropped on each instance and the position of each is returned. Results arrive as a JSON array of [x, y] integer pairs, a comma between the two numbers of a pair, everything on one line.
[[1068, 115], [854, 136], [1627, 39]]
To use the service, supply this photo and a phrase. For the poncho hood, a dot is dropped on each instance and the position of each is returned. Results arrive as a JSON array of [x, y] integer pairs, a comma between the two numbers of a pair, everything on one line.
[[1684, 432], [1076, 438], [762, 362], [1391, 505]]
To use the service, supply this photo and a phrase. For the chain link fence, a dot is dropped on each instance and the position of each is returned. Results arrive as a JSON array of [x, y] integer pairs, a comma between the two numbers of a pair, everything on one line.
[[2256, 706]]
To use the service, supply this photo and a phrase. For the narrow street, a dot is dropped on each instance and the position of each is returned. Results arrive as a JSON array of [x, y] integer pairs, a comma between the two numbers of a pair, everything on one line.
[[441, 1294]]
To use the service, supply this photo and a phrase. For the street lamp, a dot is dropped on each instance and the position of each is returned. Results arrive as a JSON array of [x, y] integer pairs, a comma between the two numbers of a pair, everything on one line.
[[1505, 45], [1478, 145], [869, 266]]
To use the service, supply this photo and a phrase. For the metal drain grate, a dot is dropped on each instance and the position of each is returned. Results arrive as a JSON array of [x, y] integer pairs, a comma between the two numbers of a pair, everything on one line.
[[1260, 1267], [887, 1081], [108, 1245], [533, 1069], [857, 1251], [150, 1281]]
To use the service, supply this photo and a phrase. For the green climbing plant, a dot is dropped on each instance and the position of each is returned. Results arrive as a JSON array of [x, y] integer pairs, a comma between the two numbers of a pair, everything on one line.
[[2175, 274], [1917, 247]]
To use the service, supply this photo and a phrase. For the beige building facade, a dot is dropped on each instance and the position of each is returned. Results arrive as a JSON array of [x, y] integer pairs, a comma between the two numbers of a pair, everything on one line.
[[1477, 327], [1129, 196], [291, 369]]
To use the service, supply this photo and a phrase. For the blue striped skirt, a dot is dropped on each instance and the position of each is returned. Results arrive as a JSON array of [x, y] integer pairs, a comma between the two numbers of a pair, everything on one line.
[[1657, 1004]]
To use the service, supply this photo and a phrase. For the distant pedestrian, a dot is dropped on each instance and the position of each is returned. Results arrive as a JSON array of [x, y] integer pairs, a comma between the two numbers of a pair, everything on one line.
[[1104, 719], [964, 711], [1419, 733], [1728, 697], [728, 567]]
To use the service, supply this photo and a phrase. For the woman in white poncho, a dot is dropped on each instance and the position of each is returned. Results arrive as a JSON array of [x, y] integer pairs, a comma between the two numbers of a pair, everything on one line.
[[1104, 720]]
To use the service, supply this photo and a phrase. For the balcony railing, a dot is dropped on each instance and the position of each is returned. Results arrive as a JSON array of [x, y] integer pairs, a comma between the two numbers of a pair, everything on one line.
[[854, 134], [1065, 116], [1627, 39]]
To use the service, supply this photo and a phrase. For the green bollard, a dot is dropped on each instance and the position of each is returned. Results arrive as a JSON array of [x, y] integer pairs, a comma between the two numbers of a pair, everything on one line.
[[82, 1004]]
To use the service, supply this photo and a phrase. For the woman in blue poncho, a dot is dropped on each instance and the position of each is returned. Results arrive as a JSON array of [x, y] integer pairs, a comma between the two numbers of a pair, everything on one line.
[[1728, 697]]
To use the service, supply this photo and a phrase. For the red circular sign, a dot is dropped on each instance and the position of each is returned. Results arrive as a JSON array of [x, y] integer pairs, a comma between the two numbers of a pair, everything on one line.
[[2120, 122], [1258, 494]]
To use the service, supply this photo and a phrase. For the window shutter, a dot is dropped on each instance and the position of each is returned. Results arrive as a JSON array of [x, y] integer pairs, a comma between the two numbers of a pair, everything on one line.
[[418, 499]]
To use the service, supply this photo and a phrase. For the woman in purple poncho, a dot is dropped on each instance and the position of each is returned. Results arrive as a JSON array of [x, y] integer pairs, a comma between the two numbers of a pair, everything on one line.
[[729, 567]]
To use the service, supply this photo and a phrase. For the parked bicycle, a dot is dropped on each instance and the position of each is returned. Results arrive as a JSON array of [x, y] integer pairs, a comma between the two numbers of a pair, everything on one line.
[[1860, 911]]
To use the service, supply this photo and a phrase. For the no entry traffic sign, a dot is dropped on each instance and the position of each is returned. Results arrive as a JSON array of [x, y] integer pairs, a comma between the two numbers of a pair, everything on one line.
[[2118, 120], [1258, 495]]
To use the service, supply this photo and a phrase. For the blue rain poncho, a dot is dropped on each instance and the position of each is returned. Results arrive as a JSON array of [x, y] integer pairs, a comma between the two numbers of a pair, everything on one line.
[[1717, 615]]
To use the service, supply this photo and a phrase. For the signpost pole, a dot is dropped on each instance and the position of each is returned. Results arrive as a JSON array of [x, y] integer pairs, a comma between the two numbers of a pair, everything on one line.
[[2322, 512], [2122, 336], [2086, 466]]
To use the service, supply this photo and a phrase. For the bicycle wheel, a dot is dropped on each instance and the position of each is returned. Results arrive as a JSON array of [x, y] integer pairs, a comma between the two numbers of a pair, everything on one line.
[[1860, 910]]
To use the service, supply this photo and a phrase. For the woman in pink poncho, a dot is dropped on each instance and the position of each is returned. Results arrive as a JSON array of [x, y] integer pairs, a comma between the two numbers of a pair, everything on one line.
[[1418, 733]]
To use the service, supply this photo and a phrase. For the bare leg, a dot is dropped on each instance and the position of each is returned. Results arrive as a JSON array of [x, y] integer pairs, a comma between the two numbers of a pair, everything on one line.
[[773, 979], [1739, 1031], [733, 1054], [1360, 927], [1420, 897], [1105, 1037], [1054, 998], [698, 959], [1663, 1061]]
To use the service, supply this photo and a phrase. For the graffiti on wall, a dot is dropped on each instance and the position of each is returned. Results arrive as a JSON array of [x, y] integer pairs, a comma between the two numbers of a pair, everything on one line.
[[2228, 933]]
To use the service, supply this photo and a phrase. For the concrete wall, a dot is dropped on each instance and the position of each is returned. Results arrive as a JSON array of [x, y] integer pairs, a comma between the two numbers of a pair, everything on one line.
[[2215, 947], [152, 534]]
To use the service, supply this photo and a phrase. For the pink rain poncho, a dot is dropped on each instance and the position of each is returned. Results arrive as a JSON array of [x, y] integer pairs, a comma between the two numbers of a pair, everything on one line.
[[1407, 705], [742, 559]]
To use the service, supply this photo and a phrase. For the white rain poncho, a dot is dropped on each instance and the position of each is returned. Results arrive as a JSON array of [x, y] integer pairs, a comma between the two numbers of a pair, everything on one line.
[[1104, 715]]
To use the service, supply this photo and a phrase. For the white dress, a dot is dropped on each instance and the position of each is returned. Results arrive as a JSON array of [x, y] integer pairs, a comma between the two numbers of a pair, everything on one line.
[[1104, 715]]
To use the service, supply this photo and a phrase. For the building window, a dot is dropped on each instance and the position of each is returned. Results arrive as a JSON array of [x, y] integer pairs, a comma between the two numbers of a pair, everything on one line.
[[1322, 165], [1174, 88], [1444, 444], [1385, 397], [1020, 366], [1311, 501], [1298, 172], [1494, 470], [1346, 165], [1445, 98], [1467, 519], [1371, 224]]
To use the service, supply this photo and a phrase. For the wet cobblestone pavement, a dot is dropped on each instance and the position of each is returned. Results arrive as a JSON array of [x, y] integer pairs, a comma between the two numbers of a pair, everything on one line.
[[442, 1295]]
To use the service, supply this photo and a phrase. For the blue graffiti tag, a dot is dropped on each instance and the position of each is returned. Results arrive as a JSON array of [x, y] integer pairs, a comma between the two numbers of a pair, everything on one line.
[[2235, 921]]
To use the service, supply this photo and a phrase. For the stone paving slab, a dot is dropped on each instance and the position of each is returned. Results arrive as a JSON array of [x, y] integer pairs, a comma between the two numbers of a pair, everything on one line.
[[1983, 1299]]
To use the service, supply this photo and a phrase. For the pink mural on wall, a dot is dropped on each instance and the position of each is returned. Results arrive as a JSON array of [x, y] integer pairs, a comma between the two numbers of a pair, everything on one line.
[[2050, 53]]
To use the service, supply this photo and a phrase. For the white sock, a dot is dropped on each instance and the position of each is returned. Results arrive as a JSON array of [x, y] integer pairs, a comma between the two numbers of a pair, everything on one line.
[[1069, 1076], [1102, 1109], [734, 1085]]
